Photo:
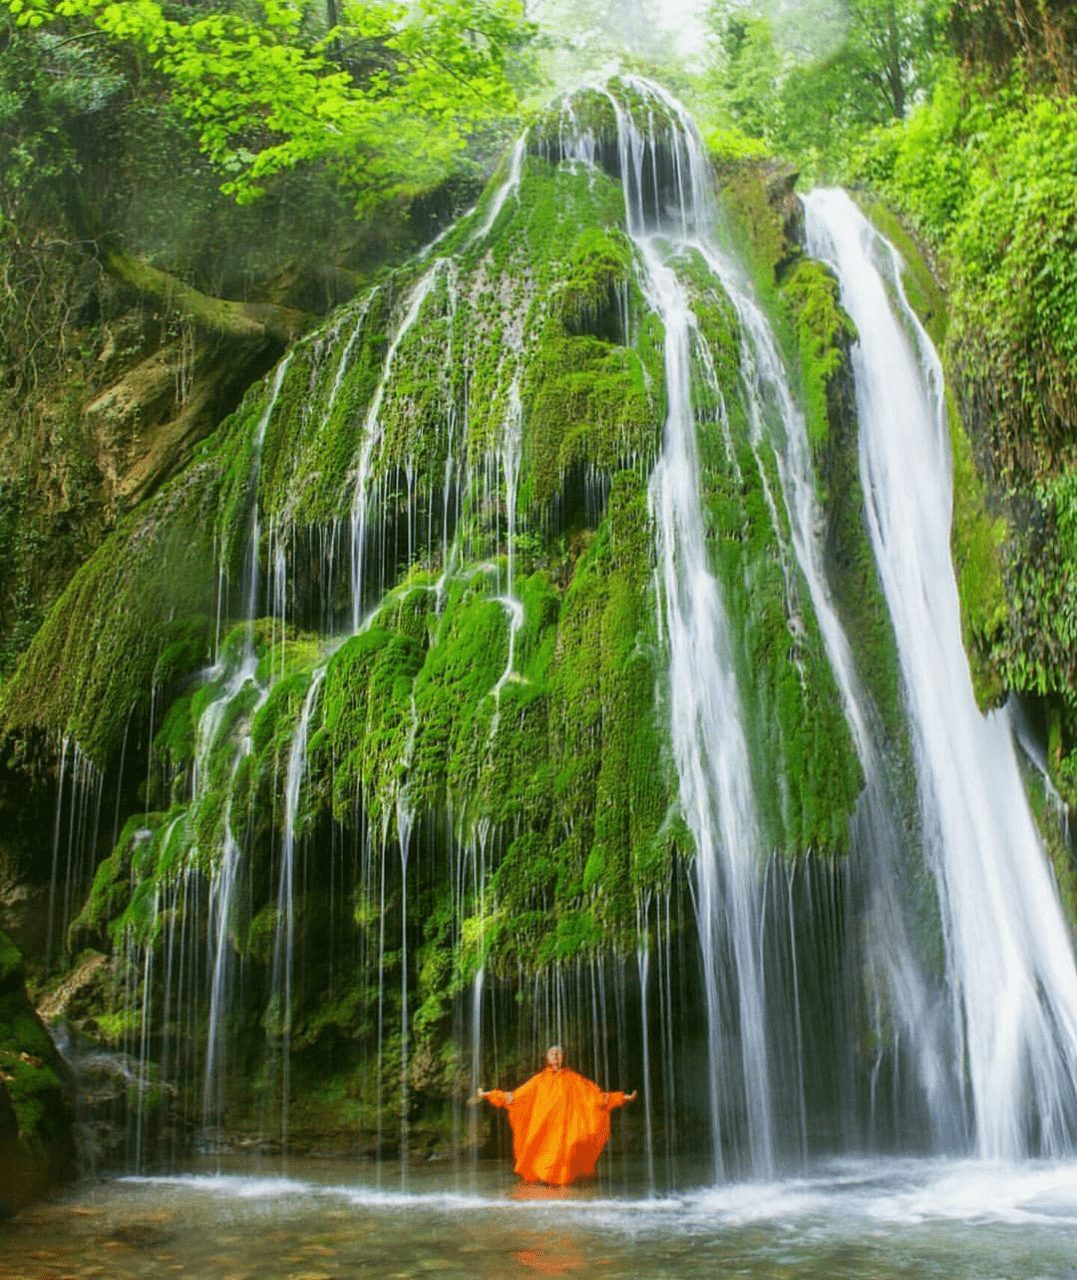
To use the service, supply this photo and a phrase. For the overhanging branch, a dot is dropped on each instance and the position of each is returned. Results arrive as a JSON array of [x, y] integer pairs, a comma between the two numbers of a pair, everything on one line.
[[242, 320]]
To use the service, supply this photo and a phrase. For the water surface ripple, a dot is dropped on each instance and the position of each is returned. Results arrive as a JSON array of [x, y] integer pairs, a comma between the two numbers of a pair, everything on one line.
[[854, 1218]]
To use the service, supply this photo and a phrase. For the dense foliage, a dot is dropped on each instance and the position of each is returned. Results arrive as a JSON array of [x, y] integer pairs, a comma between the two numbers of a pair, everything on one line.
[[383, 95], [808, 77]]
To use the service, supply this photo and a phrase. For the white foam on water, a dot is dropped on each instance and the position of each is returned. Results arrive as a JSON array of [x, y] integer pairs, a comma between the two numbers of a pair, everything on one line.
[[739, 1203], [231, 1185], [977, 1192], [844, 1198]]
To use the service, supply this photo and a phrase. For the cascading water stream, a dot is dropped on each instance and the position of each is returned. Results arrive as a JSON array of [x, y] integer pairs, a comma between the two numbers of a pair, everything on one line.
[[512, 431], [405, 819], [1010, 967], [284, 941], [56, 850], [774, 412], [511, 184], [711, 752], [372, 433], [222, 889], [224, 876], [643, 960], [710, 749], [252, 581]]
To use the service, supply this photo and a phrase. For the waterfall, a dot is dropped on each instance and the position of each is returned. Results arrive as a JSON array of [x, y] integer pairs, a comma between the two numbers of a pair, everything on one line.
[[709, 744], [511, 184], [666, 220], [477, 608], [773, 411], [1009, 964], [56, 850], [236, 685], [371, 437], [252, 574], [514, 609], [221, 891], [71, 876]]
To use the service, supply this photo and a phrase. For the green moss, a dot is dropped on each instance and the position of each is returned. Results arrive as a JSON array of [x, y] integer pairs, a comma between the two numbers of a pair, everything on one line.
[[139, 607], [577, 932], [30, 1067], [802, 302], [590, 109], [824, 334], [977, 538], [587, 404], [807, 777], [273, 722], [117, 1029], [11, 963], [523, 743], [805, 769], [111, 888], [261, 934], [294, 653], [754, 223], [366, 716], [593, 296]]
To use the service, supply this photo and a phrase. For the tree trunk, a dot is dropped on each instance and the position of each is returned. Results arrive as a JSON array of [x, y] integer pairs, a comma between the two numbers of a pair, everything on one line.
[[893, 62], [242, 320]]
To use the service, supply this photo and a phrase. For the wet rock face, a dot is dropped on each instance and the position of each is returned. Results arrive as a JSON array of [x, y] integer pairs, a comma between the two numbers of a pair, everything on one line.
[[9, 1152], [37, 1146]]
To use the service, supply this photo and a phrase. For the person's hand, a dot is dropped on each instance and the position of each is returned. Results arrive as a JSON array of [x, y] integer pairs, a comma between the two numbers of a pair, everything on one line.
[[631, 1097], [480, 1093]]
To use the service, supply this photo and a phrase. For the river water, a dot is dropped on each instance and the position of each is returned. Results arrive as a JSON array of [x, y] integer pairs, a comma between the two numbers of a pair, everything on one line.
[[848, 1218]]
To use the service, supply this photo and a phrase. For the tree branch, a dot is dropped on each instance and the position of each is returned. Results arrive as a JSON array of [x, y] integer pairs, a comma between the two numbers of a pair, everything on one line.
[[241, 320]]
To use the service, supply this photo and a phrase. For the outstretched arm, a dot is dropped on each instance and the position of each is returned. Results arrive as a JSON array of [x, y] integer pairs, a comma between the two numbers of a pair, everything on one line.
[[617, 1099], [520, 1094], [496, 1097]]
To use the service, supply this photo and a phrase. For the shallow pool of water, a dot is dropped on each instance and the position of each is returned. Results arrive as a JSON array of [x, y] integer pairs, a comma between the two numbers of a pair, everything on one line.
[[849, 1218]]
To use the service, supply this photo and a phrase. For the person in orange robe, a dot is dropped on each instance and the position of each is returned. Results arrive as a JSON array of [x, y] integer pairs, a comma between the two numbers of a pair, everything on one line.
[[560, 1122]]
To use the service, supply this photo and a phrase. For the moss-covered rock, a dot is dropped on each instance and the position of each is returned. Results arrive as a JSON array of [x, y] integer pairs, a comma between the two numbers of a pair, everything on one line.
[[36, 1083], [427, 732], [137, 612]]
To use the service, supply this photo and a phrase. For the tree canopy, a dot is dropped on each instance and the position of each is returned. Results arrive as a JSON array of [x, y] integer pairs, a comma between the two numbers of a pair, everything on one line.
[[386, 96], [801, 76]]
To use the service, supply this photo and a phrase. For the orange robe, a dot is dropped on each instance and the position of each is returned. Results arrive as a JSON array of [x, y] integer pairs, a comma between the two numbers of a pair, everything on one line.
[[560, 1123]]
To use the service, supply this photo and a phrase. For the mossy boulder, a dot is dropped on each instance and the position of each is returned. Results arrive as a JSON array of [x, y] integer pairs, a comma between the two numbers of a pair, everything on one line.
[[36, 1087]]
